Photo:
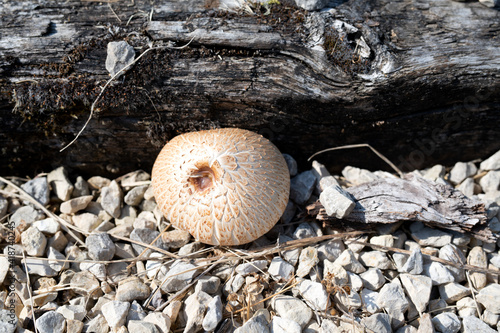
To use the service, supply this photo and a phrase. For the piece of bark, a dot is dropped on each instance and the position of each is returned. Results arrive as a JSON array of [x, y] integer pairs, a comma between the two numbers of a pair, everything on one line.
[[391, 200], [429, 94]]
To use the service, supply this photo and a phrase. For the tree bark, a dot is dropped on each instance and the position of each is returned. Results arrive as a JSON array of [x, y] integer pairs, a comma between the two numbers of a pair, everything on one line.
[[416, 80]]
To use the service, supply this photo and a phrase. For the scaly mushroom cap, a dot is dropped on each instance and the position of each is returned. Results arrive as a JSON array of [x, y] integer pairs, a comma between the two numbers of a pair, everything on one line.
[[225, 186]]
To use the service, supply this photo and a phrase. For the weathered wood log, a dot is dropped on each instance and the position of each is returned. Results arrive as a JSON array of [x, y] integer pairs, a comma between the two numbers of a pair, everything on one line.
[[416, 80], [393, 200]]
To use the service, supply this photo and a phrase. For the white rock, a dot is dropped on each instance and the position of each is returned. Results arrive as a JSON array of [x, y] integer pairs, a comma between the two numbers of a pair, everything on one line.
[[304, 230], [39, 267], [138, 326], [34, 242], [257, 324], [111, 199], [120, 55], [160, 320], [407, 329], [208, 284], [489, 296], [435, 172], [335, 273], [376, 259], [473, 324], [98, 324], [380, 323], [383, 240], [328, 326], [348, 260], [47, 226], [180, 275], [213, 315], [281, 269], [115, 312], [446, 322], [358, 176], [74, 205], [135, 195], [81, 187], [73, 312], [292, 256], [438, 273], [418, 288], [369, 299], [132, 289], [490, 318], [86, 221], [59, 181], [4, 269], [57, 263], [291, 308], [331, 250], [355, 281], [490, 182], [466, 307], [51, 321], [281, 325], [321, 173], [307, 260], [4, 204], [491, 163], [452, 292], [392, 298], [302, 186], [415, 262], [426, 236], [477, 257], [453, 253], [467, 187], [372, 278], [314, 294], [27, 214], [337, 202], [461, 171], [351, 301], [8, 321], [248, 268]]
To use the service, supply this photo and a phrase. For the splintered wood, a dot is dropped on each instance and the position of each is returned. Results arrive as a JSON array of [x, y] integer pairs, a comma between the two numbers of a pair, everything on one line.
[[412, 198]]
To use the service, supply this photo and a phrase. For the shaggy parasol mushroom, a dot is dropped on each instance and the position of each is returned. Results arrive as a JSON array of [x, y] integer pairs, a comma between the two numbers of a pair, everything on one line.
[[225, 186]]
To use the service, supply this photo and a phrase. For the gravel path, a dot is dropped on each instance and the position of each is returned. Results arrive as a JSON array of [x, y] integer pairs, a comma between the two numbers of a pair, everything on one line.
[[96, 255]]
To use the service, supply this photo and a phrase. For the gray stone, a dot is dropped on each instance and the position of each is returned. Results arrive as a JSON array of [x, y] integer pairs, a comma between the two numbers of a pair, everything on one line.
[[39, 267], [292, 256], [34, 242], [291, 308], [257, 324], [426, 236], [213, 315], [467, 187], [302, 186], [74, 205], [392, 298], [81, 187], [132, 289], [407, 329], [135, 195], [489, 296], [304, 230], [137, 326], [8, 321], [194, 310], [115, 313], [98, 270], [453, 253], [477, 257], [282, 325], [57, 263], [447, 322], [180, 275], [452, 292], [111, 199], [461, 171], [47, 226], [337, 202], [120, 55], [51, 321], [86, 284], [466, 307], [27, 214], [160, 320], [136, 312], [418, 288], [248, 268], [373, 278], [331, 250], [307, 260], [73, 312], [117, 271], [38, 188], [208, 284], [175, 239], [289, 212], [59, 181], [335, 273], [490, 182], [380, 323], [100, 246], [473, 324], [146, 236], [369, 299], [97, 325], [291, 163], [414, 264], [491, 163], [4, 205], [438, 273], [314, 294], [281, 269], [98, 182]]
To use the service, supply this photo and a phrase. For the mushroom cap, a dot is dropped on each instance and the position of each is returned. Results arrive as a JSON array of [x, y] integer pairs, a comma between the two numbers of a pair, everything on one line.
[[224, 186]]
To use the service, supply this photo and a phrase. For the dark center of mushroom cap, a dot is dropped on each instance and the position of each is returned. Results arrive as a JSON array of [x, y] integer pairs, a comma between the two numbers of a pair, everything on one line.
[[204, 176]]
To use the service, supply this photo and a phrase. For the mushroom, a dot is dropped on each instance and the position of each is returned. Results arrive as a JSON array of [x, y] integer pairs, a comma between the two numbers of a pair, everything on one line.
[[224, 186]]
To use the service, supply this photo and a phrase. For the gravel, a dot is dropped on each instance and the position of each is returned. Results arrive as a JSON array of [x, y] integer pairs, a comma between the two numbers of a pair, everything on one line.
[[318, 286]]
